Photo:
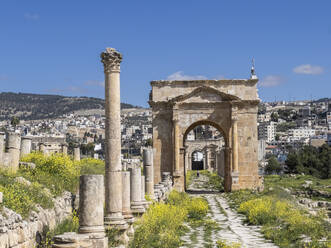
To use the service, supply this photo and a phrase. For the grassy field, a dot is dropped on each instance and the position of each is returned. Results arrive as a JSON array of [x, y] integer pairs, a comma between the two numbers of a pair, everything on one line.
[[50, 178], [214, 181], [282, 220]]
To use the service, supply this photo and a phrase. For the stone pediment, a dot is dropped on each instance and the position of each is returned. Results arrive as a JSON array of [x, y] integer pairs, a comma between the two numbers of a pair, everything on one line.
[[204, 94]]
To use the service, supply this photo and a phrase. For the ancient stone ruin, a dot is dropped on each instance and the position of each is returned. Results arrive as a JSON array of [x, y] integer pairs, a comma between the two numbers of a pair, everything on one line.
[[228, 105]]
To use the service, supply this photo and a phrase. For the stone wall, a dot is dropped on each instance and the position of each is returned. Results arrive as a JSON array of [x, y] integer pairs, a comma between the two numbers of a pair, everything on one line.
[[18, 233]]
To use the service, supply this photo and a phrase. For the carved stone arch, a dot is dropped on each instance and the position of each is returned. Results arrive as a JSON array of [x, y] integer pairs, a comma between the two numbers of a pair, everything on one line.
[[228, 105]]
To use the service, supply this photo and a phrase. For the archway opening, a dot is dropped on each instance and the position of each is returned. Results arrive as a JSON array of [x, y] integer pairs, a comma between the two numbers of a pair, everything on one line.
[[197, 160], [204, 144]]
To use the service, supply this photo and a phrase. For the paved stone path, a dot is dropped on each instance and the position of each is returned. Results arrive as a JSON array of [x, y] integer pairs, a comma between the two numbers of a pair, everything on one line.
[[231, 224]]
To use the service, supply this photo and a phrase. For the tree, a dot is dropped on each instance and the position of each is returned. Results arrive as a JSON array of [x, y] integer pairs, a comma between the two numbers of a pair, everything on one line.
[[273, 166], [274, 116], [15, 121], [149, 142], [292, 162]]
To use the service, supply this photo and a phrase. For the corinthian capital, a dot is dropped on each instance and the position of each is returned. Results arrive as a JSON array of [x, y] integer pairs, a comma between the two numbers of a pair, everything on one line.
[[111, 59]]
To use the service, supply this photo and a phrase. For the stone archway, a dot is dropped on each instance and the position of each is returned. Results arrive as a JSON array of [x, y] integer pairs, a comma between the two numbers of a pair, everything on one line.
[[229, 105]]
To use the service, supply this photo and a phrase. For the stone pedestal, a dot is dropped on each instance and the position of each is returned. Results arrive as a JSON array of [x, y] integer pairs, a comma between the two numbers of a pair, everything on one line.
[[136, 204], [26, 144], [77, 154]]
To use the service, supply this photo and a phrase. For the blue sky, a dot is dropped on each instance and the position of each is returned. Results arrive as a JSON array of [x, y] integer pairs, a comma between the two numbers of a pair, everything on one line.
[[53, 47]]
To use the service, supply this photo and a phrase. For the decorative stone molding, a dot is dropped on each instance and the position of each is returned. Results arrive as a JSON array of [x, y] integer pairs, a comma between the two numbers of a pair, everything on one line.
[[111, 60]]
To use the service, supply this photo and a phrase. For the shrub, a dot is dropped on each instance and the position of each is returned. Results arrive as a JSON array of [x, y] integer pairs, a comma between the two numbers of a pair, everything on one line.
[[160, 227], [283, 223], [197, 208], [162, 224], [92, 166], [223, 244], [57, 172]]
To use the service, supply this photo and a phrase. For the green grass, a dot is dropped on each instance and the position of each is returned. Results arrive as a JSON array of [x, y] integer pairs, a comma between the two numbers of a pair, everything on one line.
[[22, 198], [163, 223], [214, 181], [57, 173], [70, 224], [296, 183], [282, 220]]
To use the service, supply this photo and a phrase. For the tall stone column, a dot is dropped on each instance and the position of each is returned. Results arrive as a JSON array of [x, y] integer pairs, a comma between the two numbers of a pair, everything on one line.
[[111, 60], [235, 166], [26, 144], [2, 148], [235, 144], [148, 171], [77, 154], [227, 169], [176, 146]]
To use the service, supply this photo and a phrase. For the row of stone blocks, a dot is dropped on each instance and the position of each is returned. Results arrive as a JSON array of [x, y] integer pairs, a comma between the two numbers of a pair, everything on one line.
[[91, 204]]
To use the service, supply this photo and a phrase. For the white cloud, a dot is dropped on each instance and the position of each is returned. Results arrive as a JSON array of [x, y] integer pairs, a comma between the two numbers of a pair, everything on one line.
[[179, 75], [31, 16], [308, 69], [271, 81], [95, 83]]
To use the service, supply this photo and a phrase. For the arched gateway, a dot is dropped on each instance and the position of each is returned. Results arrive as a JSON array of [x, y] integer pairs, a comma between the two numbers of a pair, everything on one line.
[[228, 105]]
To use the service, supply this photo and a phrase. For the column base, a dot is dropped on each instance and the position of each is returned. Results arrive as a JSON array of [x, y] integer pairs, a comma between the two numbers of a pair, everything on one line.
[[137, 208], [128, 217], [115, 221], [235, 181], [97, 230], [176, 174]]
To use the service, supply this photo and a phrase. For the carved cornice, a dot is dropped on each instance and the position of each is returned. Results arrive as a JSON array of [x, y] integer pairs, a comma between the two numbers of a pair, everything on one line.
[[224, 96], [111, 60], [204, 82]]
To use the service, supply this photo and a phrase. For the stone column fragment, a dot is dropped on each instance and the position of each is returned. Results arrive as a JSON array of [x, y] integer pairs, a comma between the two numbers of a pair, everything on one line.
[[13, 145], [135, 186], [64, 149], [26, 144], [126, 197], [148, 171], [111, 60], [77, 154], [2, 148], [91, 200]]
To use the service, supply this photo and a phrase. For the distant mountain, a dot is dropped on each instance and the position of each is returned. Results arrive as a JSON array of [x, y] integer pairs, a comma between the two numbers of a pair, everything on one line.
[[36, 106]]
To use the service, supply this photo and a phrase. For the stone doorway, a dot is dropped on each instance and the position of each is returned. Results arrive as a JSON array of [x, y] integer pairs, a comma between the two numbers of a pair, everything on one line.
[[197, 160]]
